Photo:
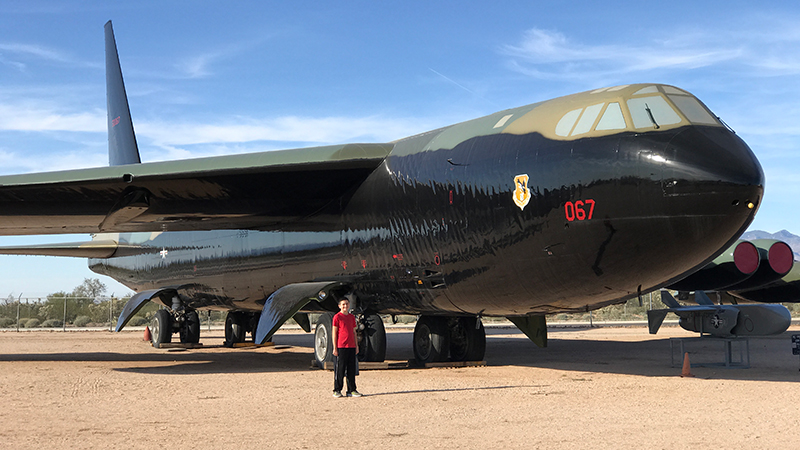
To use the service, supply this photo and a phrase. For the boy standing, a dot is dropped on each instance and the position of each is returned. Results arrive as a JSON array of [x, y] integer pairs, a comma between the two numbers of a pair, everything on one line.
[[345, 349]]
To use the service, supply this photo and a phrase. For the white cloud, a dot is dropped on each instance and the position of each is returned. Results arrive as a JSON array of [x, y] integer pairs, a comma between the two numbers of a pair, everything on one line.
[[282, 129], [551, 54], [43, 117]]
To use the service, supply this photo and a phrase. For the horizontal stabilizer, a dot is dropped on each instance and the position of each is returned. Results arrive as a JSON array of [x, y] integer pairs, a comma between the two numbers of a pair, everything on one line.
[[88, 249]]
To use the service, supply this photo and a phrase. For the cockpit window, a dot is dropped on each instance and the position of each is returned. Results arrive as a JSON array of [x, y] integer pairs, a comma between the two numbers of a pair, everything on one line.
[[650, 107], [587, 119], [612, 119], [674, 90], [647, 90], [693, 110], [652, 112], [564, 125]]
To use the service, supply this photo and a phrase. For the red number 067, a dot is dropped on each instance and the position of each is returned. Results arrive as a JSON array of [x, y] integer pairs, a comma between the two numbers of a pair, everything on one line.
[[577, 210]]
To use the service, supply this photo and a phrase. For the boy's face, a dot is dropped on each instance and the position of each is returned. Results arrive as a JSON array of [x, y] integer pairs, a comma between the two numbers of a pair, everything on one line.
[[344, 305]]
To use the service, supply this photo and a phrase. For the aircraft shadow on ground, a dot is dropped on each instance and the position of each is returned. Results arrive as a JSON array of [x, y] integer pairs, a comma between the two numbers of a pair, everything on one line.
[[770, 358]]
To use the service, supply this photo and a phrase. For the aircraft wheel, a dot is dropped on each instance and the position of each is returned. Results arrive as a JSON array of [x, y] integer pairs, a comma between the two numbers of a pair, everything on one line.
[[235, 328], [467, 343], [253, 328], [190, 328], [431, 339], [161, 328], [372, 346], [323, 339]]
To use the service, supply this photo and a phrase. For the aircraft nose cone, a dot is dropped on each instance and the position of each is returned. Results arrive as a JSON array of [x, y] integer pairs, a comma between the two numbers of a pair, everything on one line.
[[705, 156]]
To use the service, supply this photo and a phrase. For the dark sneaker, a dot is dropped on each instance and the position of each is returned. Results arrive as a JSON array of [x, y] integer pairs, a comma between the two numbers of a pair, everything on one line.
[[354, 394], [337, 394]]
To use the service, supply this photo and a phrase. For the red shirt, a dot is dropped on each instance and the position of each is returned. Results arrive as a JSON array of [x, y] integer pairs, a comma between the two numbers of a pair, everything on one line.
[[346, 330]]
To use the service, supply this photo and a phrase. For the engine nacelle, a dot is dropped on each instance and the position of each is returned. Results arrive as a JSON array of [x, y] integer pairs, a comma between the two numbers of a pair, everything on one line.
[[744, 265], [734, 265]]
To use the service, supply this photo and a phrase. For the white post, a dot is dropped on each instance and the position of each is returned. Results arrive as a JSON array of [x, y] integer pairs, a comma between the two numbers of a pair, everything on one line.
[[19, 300]]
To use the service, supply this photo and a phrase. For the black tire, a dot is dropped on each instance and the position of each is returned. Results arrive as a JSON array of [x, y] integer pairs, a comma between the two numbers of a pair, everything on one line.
[[466, 342], [190, 328], [372, 346], [235, 328], [161, 328], [253, 328], [431, 339], [323, 339]]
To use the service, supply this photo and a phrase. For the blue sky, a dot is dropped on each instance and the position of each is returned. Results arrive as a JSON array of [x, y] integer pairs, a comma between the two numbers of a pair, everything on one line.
[[213, 78]]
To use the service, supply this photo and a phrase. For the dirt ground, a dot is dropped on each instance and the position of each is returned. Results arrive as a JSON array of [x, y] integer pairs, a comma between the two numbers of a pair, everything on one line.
[[591, 388]]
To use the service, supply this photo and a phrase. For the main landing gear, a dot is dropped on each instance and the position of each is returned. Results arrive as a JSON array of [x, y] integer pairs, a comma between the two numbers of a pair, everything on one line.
[[166, 322], [437, 338], [237, 325], [371, 338]]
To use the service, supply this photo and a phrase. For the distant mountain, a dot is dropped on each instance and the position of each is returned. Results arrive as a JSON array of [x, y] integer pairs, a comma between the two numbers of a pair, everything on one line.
[[783, 235]]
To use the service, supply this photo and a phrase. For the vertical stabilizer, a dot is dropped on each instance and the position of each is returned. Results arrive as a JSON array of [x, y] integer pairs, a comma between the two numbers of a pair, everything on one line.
[[122, 148]]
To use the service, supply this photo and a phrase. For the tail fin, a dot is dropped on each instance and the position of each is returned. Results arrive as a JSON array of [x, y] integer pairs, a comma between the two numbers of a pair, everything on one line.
[[122, 148], [669, 300], [702, 299]]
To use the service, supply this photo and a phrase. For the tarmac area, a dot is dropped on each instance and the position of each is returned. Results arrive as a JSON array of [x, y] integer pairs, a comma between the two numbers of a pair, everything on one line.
[[592, 388]]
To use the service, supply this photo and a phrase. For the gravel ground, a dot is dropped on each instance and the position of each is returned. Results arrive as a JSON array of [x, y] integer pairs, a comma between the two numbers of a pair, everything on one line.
[[591, 388]]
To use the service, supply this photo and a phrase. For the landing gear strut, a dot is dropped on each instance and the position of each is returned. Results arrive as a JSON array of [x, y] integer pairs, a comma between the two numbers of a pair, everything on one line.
[[237, 325], [179, 320], [371, 339]]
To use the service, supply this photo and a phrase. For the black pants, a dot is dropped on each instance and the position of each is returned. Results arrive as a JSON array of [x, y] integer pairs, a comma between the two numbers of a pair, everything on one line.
[[345, 364]]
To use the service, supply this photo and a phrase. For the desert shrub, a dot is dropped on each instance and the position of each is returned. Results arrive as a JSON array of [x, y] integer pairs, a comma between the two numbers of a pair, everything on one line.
[[32, 323], [81, 321], [52, 323], [138, 321], [6, 322]]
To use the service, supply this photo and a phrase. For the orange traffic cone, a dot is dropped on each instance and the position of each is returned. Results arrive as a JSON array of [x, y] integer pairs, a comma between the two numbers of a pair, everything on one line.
[[147, 336], [686, 372]]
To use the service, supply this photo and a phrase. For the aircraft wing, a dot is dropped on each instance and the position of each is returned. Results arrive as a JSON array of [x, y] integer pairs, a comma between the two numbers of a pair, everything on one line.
[[290, 189]]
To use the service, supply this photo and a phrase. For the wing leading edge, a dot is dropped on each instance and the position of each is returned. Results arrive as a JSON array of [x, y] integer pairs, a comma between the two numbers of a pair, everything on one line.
[[265, 190]]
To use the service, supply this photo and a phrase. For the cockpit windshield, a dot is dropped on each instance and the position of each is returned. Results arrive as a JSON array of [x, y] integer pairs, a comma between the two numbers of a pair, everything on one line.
[[651, 107]]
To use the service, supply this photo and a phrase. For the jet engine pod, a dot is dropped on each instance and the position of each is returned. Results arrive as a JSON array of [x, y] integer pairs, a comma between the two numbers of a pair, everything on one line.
[[785, 290], [735, 265], [776, 260]]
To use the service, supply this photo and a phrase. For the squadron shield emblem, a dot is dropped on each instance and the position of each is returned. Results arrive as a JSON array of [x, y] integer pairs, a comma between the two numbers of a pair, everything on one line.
[[522, 195]]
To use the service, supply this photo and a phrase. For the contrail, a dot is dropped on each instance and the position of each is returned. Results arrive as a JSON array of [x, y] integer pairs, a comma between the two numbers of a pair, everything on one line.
[[462, 86]]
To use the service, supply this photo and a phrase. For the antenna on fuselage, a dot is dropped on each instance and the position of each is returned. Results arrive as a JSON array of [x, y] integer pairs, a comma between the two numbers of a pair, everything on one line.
[[122, 148]]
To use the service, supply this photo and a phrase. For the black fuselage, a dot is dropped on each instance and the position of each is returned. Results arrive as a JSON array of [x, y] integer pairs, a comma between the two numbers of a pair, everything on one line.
[[436, 229]]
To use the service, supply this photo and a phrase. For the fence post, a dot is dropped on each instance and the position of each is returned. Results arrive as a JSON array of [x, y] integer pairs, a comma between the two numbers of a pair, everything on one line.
[[19, 300], [64, 322]]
